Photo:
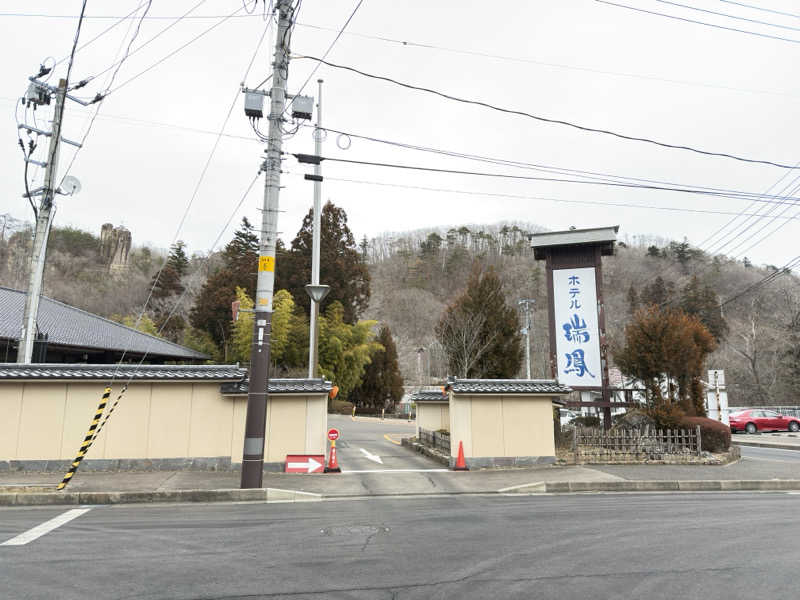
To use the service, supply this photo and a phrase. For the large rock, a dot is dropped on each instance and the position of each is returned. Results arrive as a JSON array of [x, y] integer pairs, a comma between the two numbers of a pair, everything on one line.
[[634, 419]]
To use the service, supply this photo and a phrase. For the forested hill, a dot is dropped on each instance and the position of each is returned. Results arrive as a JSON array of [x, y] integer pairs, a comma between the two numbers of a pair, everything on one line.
[[407, 281], [416, 275]]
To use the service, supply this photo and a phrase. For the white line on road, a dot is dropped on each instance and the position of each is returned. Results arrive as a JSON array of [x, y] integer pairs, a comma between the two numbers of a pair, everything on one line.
[[519, 487], [401, 471], [373, 457], [46, 527]]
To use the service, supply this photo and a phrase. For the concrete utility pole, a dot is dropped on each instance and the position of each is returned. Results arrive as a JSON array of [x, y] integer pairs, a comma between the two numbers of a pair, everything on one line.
[[526, 302], [253, 454], [316, 291], [43, 222]]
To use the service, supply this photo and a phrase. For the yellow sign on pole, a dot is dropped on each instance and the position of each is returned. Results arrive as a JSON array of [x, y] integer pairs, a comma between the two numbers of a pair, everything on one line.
[[266, 263]]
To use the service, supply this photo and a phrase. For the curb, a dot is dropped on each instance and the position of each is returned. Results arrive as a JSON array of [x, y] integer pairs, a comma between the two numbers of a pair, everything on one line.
[[269, 495], [778, 445], [700, 485]]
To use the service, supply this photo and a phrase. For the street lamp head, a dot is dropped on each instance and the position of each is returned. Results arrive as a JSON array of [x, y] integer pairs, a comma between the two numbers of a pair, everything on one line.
[[317, 292]]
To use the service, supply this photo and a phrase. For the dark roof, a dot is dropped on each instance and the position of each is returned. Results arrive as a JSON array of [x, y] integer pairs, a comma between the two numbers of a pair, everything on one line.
[[124, 372], [604, 237], [66, 325], [508, 386], [429, 396], [281, 386]]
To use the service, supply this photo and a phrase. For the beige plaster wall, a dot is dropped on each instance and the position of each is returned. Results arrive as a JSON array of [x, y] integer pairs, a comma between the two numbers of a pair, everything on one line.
[[49, 420], [432, 416], [502, 426]]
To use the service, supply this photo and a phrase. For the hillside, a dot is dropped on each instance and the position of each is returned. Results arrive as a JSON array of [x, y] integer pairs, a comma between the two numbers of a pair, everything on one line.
[[415, 275]]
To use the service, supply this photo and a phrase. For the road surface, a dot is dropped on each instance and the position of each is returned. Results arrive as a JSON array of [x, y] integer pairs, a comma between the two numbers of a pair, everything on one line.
[[710, 546]]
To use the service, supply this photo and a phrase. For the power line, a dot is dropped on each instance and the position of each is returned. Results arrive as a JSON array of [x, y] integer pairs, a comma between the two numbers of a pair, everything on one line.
[[546, 119], [304, 158], [198, 184], [543, 198], [547, 168], [685, 20], [332, 44], [729, 16], [761, 8], [523, 60], [764, 281]]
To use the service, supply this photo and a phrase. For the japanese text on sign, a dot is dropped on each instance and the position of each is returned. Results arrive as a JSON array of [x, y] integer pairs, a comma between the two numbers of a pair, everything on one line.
[[577, 332]]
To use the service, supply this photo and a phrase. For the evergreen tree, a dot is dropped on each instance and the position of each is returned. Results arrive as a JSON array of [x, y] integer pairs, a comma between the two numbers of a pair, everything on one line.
[[167, 288], [702, 301], [341, 265], [659, 292], [212, 309], [480, 332], [382, 385]]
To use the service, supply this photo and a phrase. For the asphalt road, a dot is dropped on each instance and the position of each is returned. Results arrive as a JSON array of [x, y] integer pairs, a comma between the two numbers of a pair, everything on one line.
[[770, 454], [582, 546], [369, 444]]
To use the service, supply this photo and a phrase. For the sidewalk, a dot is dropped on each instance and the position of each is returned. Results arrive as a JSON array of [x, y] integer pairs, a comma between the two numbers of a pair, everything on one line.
[[779, 440], [203, 486]]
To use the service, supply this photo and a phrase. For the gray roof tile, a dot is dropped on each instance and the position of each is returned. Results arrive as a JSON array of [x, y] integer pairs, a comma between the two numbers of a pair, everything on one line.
[[54, 371], [283, 386], [69, 326], [429, 396], [508, 386]]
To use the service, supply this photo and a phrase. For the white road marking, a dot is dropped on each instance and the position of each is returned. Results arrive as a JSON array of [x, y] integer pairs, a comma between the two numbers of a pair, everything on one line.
[[46, 527], [520, 486], [370, 456], [401, 471]]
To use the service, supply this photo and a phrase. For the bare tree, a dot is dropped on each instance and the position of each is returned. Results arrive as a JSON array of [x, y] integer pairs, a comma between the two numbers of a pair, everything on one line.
[[460, 334]]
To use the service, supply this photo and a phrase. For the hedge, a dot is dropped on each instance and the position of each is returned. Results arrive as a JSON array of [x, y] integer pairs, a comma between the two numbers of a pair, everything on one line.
[[716, 436]]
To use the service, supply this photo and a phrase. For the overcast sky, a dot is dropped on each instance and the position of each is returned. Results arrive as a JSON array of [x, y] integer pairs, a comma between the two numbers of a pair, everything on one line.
[[581, 61]]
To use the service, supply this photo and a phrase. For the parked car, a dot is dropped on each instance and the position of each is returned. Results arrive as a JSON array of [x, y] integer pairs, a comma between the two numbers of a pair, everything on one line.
[[757, 419]]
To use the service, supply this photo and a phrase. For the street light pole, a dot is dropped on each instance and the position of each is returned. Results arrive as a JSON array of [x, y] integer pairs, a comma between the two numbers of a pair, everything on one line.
[[526, 302], [313, 341]]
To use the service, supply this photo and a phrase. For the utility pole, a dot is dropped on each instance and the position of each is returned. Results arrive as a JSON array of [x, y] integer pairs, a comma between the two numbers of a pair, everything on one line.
[[255, 423], [316, 291], [43, 221], [526, 302]]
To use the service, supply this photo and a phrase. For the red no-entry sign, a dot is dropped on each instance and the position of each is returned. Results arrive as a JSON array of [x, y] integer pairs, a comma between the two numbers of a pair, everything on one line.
[[333, 434]]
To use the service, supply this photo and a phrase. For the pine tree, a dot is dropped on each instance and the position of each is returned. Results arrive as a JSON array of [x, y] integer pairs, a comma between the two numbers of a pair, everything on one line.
[[480, 332], [212, 309], [341, 265], [382, 384], [702, 301]]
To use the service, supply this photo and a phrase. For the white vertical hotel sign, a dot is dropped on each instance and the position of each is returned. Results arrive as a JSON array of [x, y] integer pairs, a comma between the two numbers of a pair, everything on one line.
[[576, 328]]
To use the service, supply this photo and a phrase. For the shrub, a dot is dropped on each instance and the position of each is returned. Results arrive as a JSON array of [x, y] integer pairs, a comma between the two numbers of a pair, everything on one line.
[[586, 421], [667, 415], [341, 407], [716, 436]]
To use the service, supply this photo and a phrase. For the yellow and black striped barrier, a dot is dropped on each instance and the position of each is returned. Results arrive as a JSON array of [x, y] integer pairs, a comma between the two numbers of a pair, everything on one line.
[[87, 441], [110, 410]]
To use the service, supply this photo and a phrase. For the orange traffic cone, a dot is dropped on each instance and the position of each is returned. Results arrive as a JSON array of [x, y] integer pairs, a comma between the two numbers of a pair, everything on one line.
[[461, 464], [333, 464]]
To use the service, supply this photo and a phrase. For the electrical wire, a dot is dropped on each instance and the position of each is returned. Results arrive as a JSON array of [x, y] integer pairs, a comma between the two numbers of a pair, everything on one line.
[[527, 177], [729, 16], [331, 45], [764, 281], [106, 30], [761, 8], [195, 191], [542, 198], [685, 20], [546, 168], [523, 60], [174, 52], [547, 119]]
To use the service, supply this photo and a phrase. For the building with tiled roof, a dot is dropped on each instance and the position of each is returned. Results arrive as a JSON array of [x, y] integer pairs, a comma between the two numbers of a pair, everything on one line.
[[76, 336]]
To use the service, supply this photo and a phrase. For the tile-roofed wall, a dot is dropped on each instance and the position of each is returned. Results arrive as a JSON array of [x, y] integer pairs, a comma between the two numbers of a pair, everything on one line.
[[429, 396], [508, 386], [283, 386], [69, 326], [54, 371]]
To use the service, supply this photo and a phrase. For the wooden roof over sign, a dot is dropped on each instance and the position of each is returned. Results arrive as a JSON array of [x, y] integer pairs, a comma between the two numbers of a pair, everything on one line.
[[596, 236]]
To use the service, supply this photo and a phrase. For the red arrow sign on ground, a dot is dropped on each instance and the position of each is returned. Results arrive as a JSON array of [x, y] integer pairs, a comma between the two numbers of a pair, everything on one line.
[[303, 463]]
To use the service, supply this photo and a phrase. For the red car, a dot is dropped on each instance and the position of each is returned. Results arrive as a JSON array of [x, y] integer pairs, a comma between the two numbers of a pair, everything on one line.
[[759, 419]]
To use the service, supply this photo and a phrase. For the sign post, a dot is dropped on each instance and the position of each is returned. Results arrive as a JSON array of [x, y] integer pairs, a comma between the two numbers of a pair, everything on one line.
[[578, 348], [333, 464]]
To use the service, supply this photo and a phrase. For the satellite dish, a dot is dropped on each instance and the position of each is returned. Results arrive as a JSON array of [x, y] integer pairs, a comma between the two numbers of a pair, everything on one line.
[[70, 185]]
